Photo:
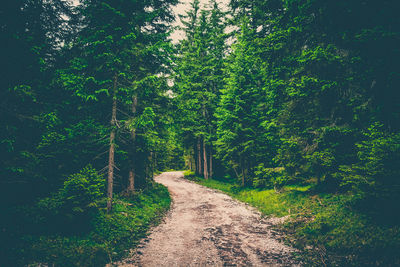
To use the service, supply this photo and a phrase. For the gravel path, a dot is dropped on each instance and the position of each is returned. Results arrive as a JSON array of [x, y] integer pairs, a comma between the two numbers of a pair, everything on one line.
[[208, 228]]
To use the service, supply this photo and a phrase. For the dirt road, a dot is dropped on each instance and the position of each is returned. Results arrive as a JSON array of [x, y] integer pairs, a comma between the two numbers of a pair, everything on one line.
[[208, 228]]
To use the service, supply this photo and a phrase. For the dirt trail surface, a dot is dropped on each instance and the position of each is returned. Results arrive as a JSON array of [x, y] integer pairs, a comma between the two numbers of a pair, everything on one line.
[[208, 228]]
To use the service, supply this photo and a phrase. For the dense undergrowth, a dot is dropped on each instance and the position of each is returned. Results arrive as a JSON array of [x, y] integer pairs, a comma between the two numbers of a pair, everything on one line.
[[331, 229], [93, 240]]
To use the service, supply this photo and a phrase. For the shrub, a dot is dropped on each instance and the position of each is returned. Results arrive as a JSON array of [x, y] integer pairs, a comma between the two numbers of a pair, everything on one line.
[[79, 193], [189, 174], [269, 177], [82, 190], [69, 210], [109, 237], [376, 175]]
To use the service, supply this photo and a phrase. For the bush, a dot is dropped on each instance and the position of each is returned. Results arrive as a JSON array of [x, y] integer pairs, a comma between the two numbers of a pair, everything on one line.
[[82, 190], [79, 194], [189, 174], [376, 175], [109, 237], [269, 177]]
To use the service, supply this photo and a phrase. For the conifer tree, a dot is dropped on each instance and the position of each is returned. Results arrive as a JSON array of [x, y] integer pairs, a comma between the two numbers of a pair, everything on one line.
[[240, 135], [199, 80], [112, 57]]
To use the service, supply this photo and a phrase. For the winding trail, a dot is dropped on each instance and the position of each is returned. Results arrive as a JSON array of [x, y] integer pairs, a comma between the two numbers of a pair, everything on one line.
[[208, 228]]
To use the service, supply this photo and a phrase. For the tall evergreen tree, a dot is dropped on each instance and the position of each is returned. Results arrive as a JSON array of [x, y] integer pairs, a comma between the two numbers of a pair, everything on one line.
[[199, 80], [112, 59], [240, 135]]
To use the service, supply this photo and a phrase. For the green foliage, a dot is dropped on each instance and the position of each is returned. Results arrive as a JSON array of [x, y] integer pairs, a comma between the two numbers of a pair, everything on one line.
[[189, 174], [73, 204], [63, 65], [269, 177], [311, 86], [199, 78], [325, 227], [376, 173], [109, 238], [82, 190]]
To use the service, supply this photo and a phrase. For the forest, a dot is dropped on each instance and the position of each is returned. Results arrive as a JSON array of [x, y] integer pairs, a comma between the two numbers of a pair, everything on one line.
[[292, 106]]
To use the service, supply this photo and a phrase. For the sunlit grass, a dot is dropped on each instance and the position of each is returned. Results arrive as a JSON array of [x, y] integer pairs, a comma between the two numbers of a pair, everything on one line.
[[326, 226], [268, 201]]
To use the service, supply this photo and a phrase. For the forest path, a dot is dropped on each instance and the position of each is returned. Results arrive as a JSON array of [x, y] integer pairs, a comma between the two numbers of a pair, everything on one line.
[[207, 228]]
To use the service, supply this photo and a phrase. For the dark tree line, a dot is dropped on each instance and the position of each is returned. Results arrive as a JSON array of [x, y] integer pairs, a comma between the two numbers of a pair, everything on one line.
[[84, 109], [270, 92], [280, 94], [83, 84], [305, 91]]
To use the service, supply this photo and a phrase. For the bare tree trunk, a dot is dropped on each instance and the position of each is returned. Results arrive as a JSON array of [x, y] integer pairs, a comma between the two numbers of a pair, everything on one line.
[[193, 161], [236, 172], [199, 155], [196, 161], [242, 166], [152, 164], [205, 160], [211, 162], [131, 180], [243, 177], [155, 162], [246, 173], [190, 162], [111, 162], [131, 184]]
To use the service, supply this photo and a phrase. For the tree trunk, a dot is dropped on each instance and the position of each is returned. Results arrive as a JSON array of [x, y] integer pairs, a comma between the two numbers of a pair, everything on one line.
[[155, 162], [199, 155], [211, 162], [152, 164], [242, 166], [131, 180], [111, 162], [193, 161], [243, 177], [205, 160], [195, 158], [131, 184], [189, 162]]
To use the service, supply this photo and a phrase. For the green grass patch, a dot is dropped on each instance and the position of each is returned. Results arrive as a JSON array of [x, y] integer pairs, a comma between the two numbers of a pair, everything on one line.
[[326, 227], [110, 236]]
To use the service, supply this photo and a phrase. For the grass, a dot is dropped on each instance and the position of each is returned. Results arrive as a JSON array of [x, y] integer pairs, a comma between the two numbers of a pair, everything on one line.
[[326, 227], [109, 238]]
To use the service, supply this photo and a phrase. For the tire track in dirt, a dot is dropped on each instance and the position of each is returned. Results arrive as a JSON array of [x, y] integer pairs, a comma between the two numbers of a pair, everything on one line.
[[208, 228]]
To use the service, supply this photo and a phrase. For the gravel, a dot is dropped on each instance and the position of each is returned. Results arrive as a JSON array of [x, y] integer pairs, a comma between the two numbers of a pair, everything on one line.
[[208, 228]]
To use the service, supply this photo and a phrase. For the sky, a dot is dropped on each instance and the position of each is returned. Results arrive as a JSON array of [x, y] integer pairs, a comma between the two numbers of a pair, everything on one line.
[[182, 7]]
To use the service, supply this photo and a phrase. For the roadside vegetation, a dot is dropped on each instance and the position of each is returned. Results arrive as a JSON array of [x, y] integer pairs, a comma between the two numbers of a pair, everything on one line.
[[296, 102], [330, 229], [69, 230], [297, 113], [85, 123]]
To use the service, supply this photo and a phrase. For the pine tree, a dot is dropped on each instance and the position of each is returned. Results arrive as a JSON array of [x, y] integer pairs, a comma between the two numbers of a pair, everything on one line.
[[199, 80], [111, 59], [240, 135]]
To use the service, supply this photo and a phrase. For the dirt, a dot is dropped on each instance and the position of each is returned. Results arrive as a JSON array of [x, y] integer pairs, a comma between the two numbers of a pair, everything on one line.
[[207, 228]]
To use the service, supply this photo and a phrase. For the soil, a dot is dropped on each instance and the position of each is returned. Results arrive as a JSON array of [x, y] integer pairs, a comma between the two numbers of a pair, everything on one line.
[[208, 228]]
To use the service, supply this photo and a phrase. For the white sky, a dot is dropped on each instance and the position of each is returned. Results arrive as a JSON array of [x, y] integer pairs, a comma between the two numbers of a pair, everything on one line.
[[181, 9]]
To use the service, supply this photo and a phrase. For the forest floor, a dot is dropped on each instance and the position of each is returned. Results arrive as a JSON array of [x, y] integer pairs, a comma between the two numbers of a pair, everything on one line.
[[208, 228]]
